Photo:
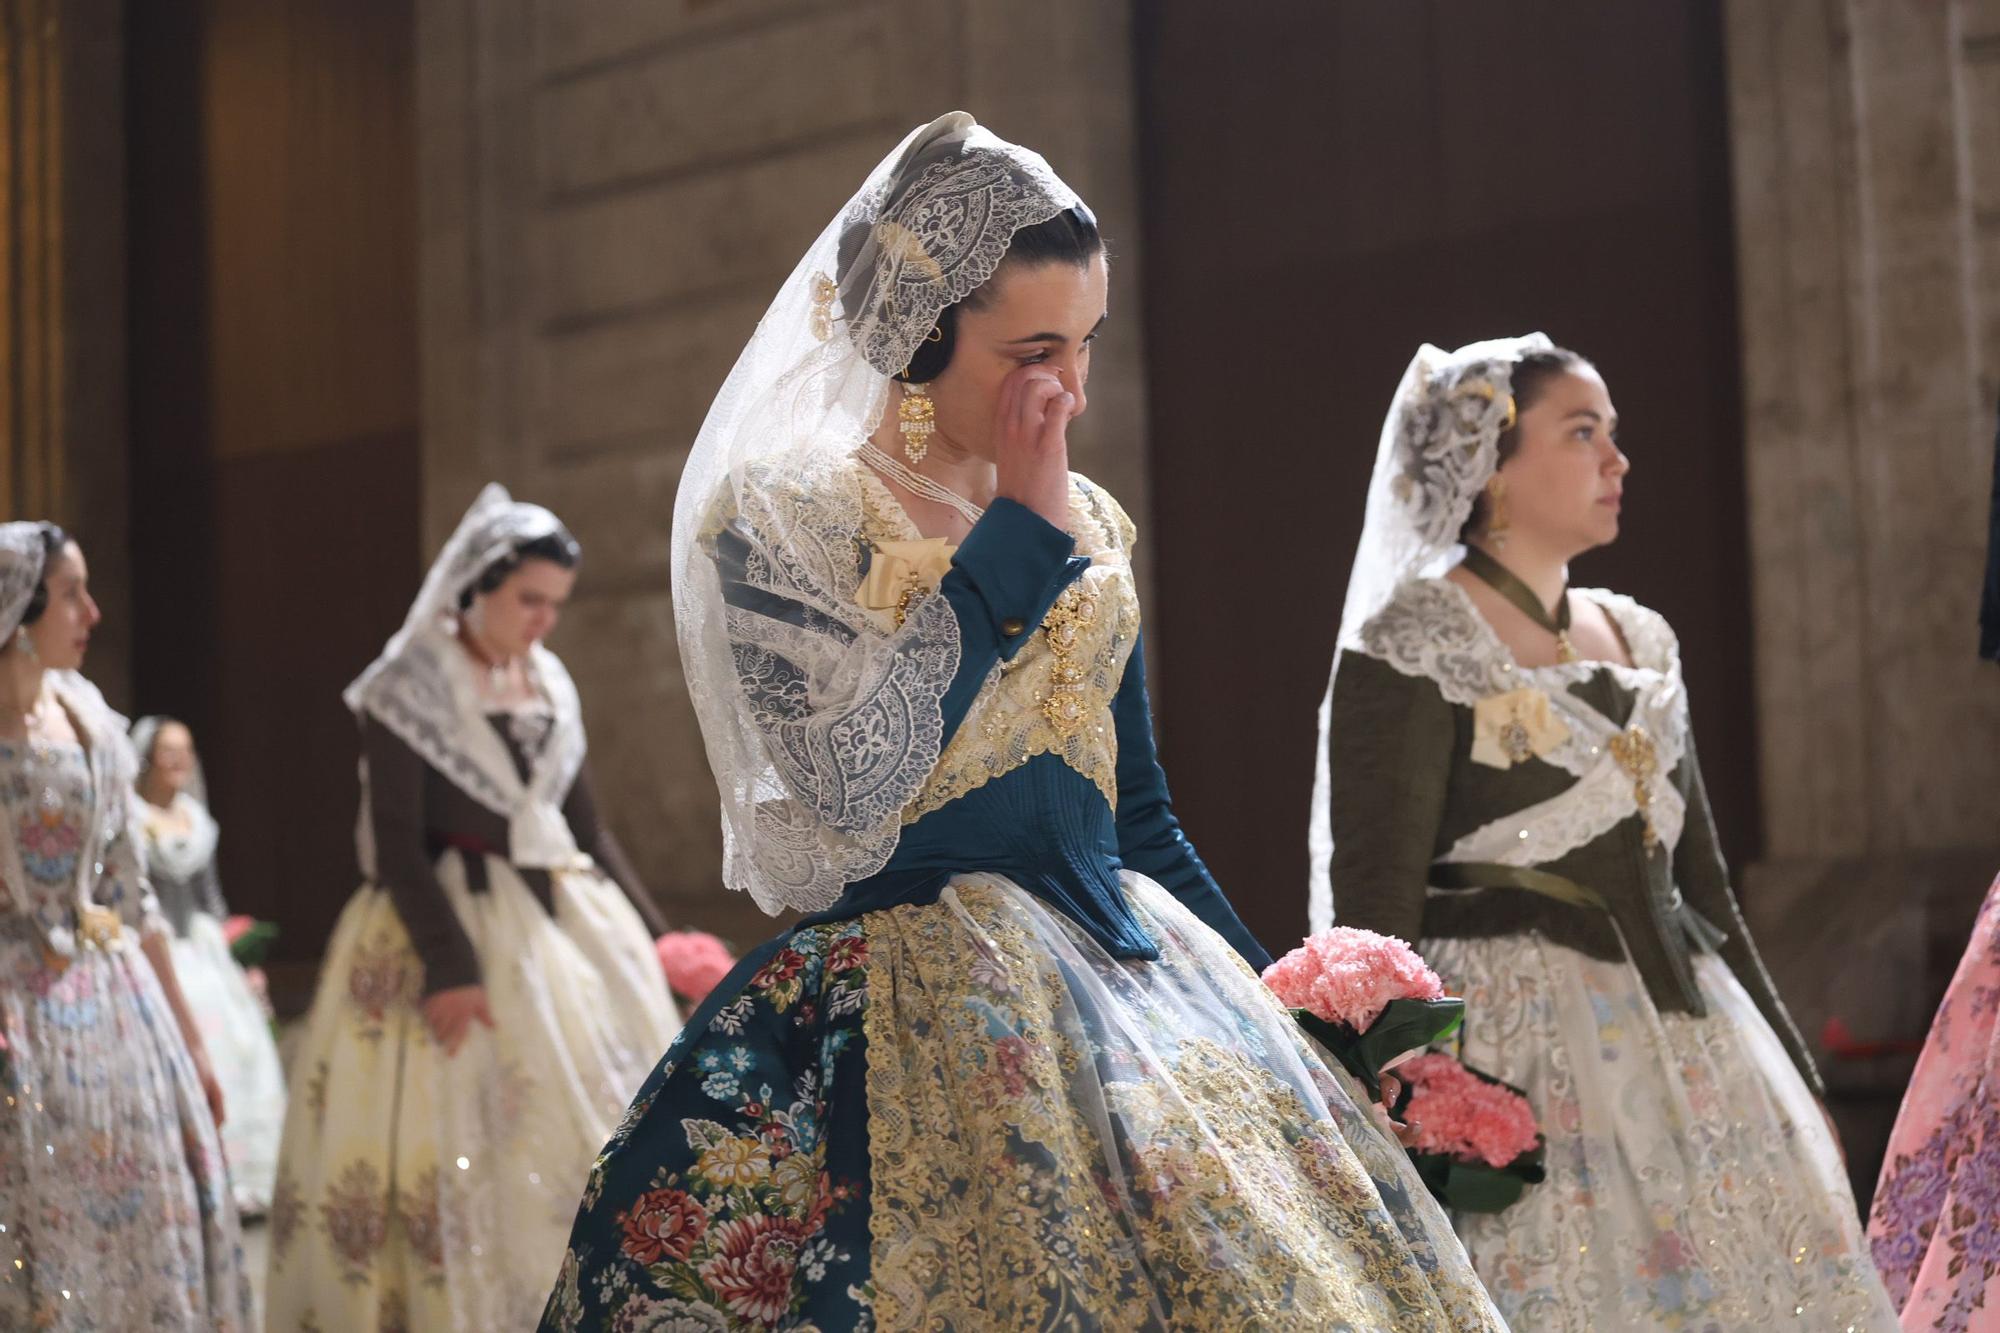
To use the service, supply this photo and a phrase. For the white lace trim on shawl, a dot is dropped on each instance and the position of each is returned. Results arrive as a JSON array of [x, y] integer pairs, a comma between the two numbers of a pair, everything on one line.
[[113, 843], [427, 698], [184, 854], [846, 715], [1431, 629]]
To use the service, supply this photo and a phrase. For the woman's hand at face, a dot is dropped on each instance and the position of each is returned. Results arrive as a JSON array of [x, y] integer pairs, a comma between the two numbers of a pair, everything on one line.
[[1031, 441]]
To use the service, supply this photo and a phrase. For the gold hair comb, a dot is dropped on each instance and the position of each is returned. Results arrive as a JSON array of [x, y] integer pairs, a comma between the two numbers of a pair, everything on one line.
[[822, 306], [901, 243]]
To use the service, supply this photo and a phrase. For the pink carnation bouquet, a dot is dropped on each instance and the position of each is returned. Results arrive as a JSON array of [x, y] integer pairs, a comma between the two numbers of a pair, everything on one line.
[[249, 942], [694, 961], [1368, 998], [1473, 1139], [249, 939]]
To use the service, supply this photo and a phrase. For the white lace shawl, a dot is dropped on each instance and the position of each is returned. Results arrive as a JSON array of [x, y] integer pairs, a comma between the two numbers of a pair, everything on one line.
[[184, 855], [110, 870], [1430, 629], [430, 701]]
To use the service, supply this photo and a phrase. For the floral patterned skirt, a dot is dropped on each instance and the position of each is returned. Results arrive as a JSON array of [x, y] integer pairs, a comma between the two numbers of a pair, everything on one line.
[[237, 1034], [1692, 1182], [966, 1115], [1935, 1226], [429, 1192], [114, 1208]]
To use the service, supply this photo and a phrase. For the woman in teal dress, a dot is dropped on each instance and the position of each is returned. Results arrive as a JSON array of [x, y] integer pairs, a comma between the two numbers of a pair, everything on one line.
[[1015, 1068]]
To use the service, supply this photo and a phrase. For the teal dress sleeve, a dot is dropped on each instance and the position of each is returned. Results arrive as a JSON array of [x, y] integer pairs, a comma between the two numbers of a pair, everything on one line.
[[1006, 575], [1150, 840]]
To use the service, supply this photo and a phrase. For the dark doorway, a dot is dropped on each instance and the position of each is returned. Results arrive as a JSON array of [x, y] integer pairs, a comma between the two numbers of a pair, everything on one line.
[[1326, 186], [274, 413]]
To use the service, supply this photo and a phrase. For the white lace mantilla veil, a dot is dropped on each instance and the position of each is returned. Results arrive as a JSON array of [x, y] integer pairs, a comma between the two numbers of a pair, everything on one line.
[[1440, 445], [419, 689], [22, 560], [820, 724]]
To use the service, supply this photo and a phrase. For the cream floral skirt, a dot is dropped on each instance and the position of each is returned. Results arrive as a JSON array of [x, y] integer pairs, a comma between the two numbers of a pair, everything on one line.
[[1692, 1181], [429, 1192]]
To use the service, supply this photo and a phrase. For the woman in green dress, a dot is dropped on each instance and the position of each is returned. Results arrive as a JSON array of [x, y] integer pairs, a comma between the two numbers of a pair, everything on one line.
[[1508, 777]]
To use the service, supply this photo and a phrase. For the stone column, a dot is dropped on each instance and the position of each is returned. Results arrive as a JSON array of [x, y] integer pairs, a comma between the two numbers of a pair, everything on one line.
[[612, 191], [1867, 167]]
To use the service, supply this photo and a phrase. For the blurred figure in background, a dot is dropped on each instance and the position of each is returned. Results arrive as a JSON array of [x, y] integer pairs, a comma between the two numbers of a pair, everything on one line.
[[115, 1210], [227, 1001], [492, 996]]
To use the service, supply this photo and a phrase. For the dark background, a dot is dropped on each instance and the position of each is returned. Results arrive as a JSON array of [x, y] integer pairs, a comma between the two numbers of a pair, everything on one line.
[[1320, 197], [1324, 189], [1324, 186], [272, 249]]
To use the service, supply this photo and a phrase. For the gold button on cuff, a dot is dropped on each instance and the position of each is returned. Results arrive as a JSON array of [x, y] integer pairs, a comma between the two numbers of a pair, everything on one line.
[[1013, 627]]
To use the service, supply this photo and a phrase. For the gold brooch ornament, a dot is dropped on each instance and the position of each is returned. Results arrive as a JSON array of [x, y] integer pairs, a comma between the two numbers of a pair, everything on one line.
[[900, 573], [1640, 758], [97, 928], [902, 244], [1512, 728], [1073, 612], [1481, 391]]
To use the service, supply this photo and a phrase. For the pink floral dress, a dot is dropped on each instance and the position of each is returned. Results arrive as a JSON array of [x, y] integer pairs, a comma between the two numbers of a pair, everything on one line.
[[114, 1207], [1935, 1226]]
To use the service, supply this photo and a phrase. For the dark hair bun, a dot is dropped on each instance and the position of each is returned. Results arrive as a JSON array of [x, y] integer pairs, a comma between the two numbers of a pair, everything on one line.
[[558, 548]]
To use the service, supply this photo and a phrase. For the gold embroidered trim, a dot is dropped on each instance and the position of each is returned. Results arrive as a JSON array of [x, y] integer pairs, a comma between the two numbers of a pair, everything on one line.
[[1069, 619], [1055, 696], [1032, 1168]]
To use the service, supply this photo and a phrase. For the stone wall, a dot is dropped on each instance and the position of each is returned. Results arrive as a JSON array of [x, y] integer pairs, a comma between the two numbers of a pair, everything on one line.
[[612, 190], [1867, 169]]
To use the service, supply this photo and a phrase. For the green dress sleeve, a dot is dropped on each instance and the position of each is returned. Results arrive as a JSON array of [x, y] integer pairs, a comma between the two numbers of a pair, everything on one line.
[[1703, 879], [1392, 738]]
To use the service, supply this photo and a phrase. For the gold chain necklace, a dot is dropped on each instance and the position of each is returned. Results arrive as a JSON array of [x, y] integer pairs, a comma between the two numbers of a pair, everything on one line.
[[1509, 585]]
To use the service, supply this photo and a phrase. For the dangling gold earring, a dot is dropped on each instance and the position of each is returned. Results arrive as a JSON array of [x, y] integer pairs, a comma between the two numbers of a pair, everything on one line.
[[1497, 524], [916, 418]]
